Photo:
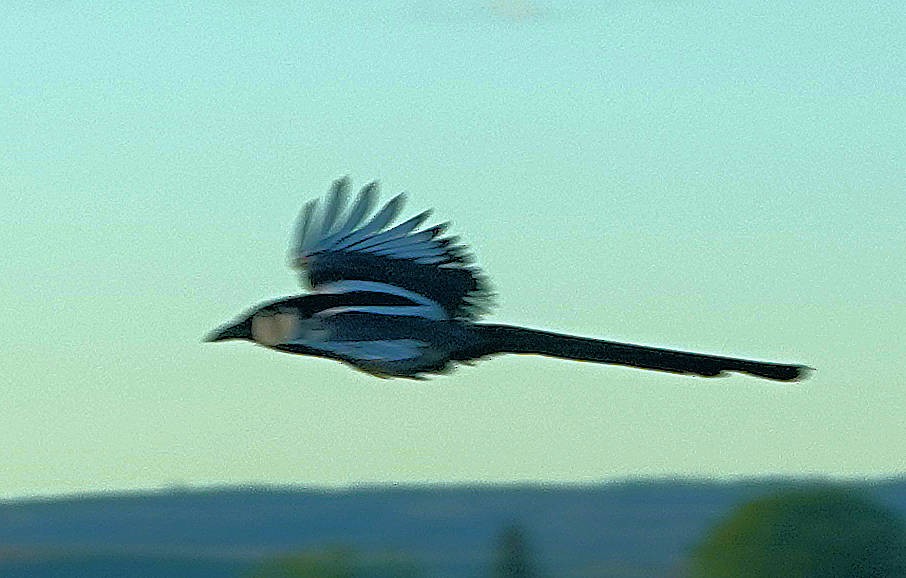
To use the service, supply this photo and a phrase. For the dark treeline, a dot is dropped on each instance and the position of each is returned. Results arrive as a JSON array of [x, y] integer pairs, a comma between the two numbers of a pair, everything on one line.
[[667, 528]]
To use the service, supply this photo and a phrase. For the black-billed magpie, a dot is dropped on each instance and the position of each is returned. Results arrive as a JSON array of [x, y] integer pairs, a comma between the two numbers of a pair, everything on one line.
[[403, 301]]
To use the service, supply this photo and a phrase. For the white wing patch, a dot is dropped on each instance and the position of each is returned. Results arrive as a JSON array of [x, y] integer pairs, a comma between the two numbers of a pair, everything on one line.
[[377, 350], [424, 307], [386, 350]]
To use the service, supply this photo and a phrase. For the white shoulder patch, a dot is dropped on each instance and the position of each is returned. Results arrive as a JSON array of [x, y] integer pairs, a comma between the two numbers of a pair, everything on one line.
[[274, 329]]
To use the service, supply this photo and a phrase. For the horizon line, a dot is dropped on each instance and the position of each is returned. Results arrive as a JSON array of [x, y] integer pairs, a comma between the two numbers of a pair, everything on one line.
[[178, 488]]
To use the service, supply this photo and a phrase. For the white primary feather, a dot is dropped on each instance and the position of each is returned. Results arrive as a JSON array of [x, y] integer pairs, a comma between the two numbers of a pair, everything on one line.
[[335, 204], [359, 210], [396, 232], [327, 231], [384, 217]]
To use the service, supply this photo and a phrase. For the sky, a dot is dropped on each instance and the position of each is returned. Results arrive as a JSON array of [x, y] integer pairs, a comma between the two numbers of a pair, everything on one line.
[[722, 177]]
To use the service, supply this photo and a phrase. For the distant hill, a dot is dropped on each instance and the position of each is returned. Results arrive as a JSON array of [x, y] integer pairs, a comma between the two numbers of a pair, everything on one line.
[[621, 529]]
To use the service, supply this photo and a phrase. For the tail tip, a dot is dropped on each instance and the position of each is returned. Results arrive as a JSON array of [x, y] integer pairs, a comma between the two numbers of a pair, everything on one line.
[[793, 372]]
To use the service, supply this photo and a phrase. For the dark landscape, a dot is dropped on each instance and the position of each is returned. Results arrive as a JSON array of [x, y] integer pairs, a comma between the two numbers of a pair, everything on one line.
[[620, 529]]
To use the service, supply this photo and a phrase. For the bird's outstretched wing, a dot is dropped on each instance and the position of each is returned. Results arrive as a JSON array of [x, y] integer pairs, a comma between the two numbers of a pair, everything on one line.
[[334, 245]]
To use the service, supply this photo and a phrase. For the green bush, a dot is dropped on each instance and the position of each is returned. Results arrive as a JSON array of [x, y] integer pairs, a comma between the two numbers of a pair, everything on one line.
[[818, 532]]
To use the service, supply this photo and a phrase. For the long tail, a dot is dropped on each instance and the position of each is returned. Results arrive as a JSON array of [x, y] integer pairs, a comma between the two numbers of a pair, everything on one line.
[[491, 339]]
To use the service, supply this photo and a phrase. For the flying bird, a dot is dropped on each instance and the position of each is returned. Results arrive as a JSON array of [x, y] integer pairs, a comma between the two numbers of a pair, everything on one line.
[[403, 300]]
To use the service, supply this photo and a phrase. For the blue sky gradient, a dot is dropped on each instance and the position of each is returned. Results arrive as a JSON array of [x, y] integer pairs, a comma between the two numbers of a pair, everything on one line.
[[723, 178]]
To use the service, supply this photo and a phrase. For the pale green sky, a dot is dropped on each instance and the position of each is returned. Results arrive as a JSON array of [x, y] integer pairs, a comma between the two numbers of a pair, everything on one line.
[[723, 177]]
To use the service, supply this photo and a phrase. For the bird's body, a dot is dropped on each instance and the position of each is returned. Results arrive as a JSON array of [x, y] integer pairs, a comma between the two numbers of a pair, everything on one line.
[[379, 333], [404, 302]]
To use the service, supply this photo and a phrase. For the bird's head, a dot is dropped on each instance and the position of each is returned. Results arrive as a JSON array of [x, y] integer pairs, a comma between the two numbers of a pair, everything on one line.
[[268, 325]]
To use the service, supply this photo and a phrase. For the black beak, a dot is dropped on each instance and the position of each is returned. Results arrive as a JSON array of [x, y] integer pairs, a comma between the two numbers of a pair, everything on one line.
[[241, 330]]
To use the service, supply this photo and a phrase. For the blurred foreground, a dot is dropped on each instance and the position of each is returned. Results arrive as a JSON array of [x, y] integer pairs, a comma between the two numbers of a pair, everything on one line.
[[635, 529]]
